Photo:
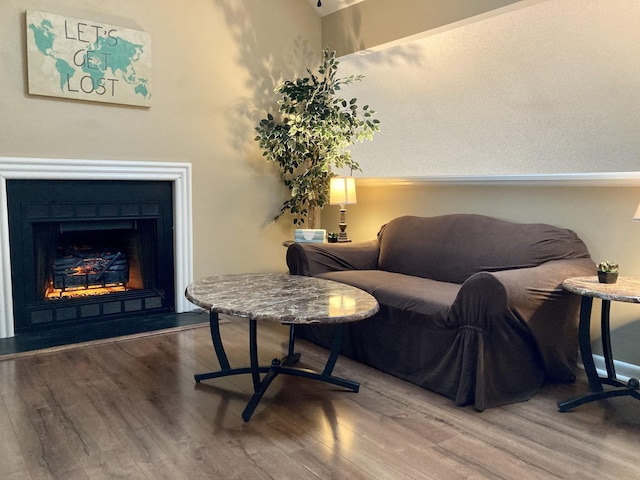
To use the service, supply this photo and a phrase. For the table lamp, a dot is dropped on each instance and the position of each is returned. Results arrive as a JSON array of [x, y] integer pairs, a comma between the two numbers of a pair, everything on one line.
[[342, 191]]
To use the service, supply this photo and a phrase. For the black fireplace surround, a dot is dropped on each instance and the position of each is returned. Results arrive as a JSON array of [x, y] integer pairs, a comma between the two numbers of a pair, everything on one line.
[[86, 251]]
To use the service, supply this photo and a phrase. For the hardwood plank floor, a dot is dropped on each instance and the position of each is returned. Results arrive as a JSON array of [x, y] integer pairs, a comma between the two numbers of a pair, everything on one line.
[[131, 409]]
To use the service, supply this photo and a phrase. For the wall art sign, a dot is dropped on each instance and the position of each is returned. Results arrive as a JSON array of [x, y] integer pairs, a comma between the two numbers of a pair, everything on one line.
[[87, 60]]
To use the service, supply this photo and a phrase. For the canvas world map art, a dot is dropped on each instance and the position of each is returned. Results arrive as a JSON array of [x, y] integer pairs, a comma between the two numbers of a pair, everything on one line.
[[87, 60]]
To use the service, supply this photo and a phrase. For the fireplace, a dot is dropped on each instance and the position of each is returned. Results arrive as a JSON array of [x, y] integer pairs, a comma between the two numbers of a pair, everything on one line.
[[89, 250], [92, 241]]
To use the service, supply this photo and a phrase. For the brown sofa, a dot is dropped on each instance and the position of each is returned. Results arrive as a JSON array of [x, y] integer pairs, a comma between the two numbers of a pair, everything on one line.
[[470, 306]]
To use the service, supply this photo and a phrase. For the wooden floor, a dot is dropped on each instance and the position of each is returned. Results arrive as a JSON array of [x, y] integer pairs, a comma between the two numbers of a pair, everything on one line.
[[131, 410]]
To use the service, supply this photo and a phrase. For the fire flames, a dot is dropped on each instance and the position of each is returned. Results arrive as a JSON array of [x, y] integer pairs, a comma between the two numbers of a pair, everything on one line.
[[84, 272], [56, 293]]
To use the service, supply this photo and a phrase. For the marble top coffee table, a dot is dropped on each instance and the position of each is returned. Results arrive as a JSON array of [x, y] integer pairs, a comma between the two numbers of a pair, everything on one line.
[[281, 298]]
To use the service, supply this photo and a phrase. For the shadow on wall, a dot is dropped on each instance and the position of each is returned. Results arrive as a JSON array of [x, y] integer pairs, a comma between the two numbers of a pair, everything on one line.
[[266, 69]]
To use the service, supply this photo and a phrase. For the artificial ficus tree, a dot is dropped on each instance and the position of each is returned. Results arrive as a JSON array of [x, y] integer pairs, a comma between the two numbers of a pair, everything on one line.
[[311, 134]]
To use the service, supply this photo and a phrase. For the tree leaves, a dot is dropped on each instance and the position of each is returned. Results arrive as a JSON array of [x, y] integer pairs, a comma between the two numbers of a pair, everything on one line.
[[314, 131]]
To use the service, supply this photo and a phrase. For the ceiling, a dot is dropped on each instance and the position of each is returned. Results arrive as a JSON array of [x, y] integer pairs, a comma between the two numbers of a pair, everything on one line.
[[330, 6]]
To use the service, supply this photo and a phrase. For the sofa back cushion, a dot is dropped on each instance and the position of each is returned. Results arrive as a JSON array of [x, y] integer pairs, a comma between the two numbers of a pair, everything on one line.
[[451, 248]]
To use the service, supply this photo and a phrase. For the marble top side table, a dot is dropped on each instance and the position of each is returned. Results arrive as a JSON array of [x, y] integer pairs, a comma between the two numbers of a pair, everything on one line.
[[281, 298], [626, 289]]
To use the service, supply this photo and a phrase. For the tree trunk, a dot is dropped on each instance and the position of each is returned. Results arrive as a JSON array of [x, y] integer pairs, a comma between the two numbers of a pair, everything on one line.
[[312, 217]]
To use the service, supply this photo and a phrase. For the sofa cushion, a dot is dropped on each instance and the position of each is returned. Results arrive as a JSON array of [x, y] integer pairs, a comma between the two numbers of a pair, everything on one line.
[[403, 293], [451, 248]]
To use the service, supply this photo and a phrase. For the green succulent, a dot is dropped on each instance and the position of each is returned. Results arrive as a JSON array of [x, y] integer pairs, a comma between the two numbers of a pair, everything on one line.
[[608, 267]]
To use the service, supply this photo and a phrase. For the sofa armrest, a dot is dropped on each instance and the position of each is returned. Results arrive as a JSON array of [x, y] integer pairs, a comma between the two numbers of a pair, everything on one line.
[[534, 298], [314, 258]]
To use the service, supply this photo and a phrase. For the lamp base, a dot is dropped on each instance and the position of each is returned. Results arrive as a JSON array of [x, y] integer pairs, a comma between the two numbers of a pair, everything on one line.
[[342, 234]]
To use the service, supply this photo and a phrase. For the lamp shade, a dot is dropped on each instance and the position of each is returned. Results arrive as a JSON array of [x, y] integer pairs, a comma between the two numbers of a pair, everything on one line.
[[342, 191], [636, 216]]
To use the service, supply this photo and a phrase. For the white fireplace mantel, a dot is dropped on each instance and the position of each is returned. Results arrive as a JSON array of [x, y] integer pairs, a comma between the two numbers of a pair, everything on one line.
[[64, 169]]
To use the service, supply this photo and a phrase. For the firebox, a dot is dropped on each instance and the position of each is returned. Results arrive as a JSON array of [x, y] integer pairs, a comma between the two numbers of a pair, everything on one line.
[[89, 251]]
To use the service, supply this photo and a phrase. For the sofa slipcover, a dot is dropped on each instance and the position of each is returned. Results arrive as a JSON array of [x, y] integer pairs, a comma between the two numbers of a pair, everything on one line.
[[471, 306]]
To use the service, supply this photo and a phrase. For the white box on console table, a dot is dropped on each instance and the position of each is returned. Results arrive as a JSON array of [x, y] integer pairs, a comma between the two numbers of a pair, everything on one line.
[[309, 235]]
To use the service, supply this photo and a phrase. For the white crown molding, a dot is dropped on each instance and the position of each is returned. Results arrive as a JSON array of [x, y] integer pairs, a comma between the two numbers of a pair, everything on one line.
[[597, 179]]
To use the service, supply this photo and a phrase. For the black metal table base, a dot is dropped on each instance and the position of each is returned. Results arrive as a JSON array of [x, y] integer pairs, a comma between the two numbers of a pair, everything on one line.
[[596, 382], [281, 366]]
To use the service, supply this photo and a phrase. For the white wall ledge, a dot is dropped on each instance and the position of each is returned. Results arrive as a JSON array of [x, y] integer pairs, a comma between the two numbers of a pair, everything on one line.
[[596, 179]]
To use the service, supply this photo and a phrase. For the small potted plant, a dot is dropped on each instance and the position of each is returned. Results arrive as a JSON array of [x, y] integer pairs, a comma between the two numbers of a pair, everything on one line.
[[607, 272], [332, 237]]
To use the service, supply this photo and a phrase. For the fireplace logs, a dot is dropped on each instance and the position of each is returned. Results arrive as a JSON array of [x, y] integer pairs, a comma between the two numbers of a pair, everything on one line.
[[81, 269]]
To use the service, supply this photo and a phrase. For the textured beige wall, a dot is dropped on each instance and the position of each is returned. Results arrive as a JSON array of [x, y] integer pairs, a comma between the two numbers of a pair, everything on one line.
[[600, 215], [375, 22], [536, 87], [215, 64]]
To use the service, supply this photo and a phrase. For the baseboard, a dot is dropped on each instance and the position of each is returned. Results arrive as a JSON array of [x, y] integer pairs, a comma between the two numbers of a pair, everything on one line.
[[624, 371]]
